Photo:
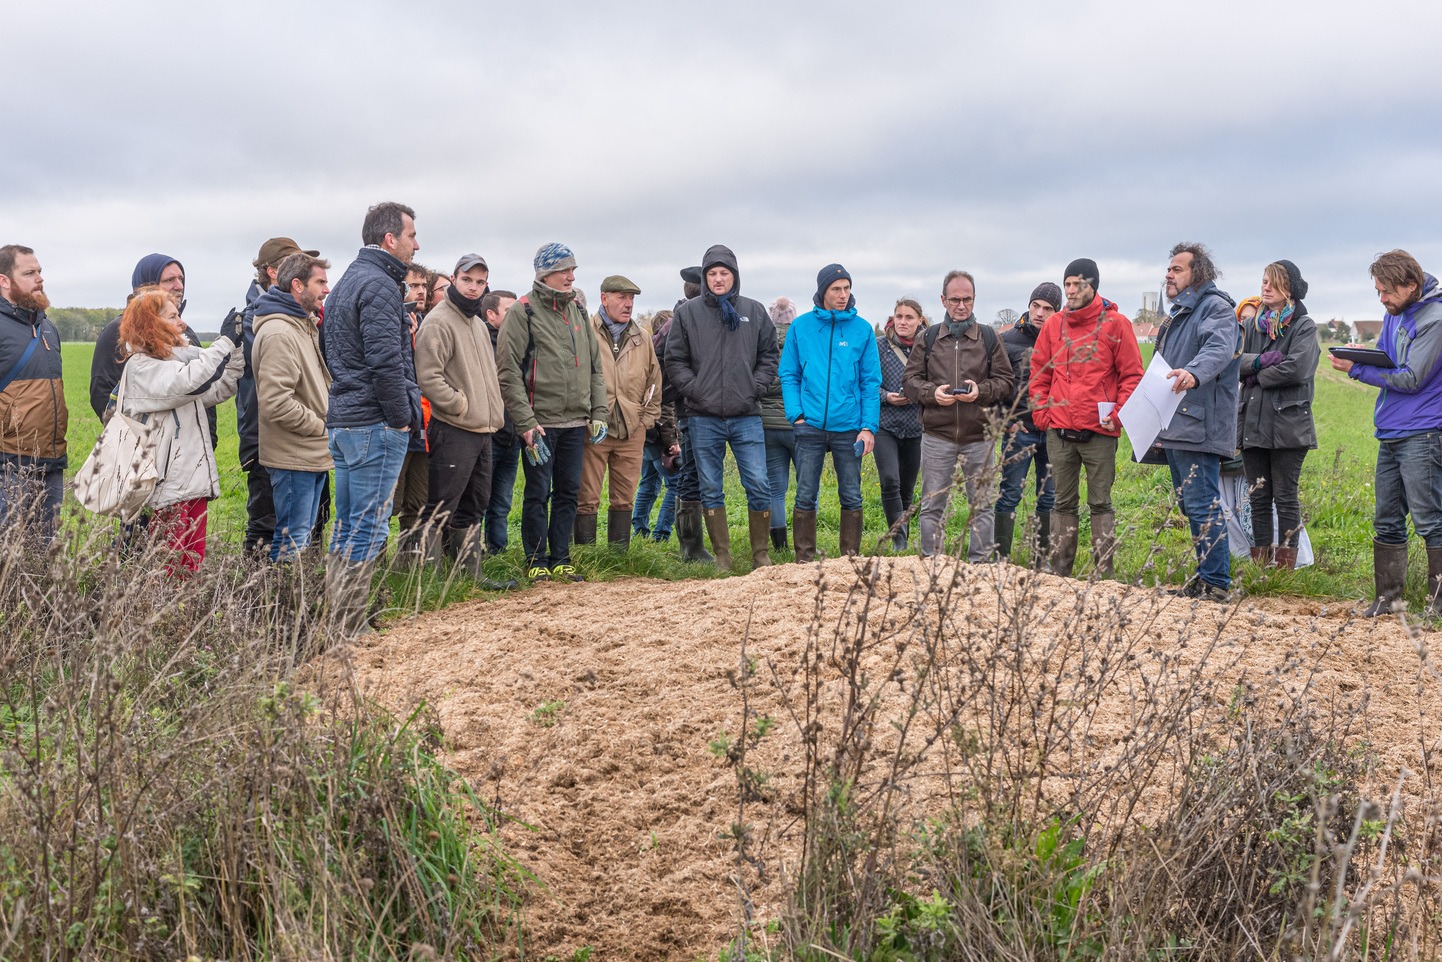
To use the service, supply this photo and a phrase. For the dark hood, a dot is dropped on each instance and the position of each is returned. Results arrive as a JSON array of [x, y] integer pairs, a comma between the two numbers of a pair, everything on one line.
[[719, 256], [149, 269], [277, 301]]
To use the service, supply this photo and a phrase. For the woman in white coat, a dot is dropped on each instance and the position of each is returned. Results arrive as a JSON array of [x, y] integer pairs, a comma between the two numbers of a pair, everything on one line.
[[169, 382]]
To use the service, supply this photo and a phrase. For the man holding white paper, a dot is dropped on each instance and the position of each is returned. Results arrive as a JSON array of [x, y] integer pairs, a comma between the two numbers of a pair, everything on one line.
[[1202, 340], [1086, 363]]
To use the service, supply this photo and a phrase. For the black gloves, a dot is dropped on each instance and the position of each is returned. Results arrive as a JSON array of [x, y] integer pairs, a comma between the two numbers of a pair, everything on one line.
[[230, 327]]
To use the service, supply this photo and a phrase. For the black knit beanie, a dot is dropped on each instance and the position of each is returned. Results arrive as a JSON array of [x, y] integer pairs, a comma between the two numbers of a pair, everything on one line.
[[1086, 268]]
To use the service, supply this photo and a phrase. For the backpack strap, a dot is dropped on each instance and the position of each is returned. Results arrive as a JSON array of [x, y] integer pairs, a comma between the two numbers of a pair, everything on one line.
[[988, 341], [528, 359], [25, 357]]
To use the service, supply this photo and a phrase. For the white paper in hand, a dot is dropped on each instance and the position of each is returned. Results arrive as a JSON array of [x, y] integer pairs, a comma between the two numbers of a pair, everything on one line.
[[1150, 408]]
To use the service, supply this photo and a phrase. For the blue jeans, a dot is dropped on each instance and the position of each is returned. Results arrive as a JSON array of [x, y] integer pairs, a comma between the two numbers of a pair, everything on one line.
[[1409, 481], [653, 475], [780, 456], [688, 488], [548, 511], [296, 496], [709, 437], [367, 465], [30, 496], [505, 465], [1019, 452], [811, 447], [1197, 479]]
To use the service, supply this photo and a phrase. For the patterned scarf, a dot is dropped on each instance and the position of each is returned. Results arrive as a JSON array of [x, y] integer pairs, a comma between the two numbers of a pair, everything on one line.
[[1273, 323]]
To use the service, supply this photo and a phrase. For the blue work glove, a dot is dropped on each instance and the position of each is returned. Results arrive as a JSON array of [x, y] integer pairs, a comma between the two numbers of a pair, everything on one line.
[[539, 453], [598, 431], [1270, 358]]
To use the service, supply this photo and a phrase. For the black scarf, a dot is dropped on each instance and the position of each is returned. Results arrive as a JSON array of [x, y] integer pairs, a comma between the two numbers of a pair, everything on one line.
[[469, 306]]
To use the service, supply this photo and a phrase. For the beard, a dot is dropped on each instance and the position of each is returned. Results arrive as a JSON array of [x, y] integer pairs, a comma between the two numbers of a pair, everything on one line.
[[34, 301]]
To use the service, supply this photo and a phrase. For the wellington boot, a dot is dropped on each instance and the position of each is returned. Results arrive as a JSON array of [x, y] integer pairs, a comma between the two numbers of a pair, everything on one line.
[[618, 529], [720, 536], [851, 532], [758, 524], [1005, 532], [901, 538], [466, 548], [1283, 557], [585, 530], [1104, 544], [347, 592], [1389, 572], [1261, 556], [1043, 537], [803, 535], [1063, 542], [778, 539], [688, 533], [1434, 584]]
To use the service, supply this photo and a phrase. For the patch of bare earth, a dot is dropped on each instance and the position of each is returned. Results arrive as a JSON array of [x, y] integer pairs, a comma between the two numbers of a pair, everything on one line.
[[626, 802]]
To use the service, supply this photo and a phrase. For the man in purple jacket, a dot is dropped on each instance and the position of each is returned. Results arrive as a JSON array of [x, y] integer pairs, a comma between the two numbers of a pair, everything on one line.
[[1409, 427]]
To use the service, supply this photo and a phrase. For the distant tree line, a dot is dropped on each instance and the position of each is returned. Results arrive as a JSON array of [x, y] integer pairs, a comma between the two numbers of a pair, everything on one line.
[[81, 323]]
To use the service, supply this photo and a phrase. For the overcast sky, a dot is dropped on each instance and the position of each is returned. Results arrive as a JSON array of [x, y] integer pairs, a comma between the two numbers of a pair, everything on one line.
[[901, 139]]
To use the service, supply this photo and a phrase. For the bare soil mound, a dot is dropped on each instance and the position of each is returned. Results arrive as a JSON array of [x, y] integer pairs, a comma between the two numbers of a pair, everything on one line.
[[585, 712]]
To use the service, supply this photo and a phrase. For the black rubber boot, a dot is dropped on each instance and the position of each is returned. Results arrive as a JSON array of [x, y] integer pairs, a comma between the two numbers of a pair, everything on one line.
[[1005, 532], [585, 530], [1389, 572], [688, 533], [618, 528], [778, 539]]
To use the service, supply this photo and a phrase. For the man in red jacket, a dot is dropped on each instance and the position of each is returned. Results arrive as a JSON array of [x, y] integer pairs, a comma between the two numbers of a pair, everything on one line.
[[1085, 365]]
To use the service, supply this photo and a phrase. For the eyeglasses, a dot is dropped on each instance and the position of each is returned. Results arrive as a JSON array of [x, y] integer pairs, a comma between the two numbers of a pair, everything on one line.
[[958, 301]]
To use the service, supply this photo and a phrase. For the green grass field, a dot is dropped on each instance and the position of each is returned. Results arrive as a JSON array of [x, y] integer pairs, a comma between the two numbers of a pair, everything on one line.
[[1336, 501]]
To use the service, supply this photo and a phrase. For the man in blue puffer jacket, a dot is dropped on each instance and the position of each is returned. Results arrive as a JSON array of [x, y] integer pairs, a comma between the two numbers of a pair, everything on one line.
[[375, 403], [1409, 427], [831, 382], [1201, 341]]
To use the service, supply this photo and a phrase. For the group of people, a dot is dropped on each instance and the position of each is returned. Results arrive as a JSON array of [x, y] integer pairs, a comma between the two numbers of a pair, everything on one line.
[[426, 392]]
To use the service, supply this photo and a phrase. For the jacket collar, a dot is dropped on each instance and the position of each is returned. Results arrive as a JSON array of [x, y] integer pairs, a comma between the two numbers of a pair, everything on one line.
[[385, 260], [19, 314]]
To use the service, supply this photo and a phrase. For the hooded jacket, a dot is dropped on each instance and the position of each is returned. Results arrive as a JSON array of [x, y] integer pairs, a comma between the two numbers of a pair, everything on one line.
[[456, 367], [368, 347], [1410, 401], [1276, 408], [292, 386], [830, 372], [633, 379], [33, 415], [719, 372], [1081, 359], [164, 393], [954, 360], [1203, 338], [549, 365], [247, 424]]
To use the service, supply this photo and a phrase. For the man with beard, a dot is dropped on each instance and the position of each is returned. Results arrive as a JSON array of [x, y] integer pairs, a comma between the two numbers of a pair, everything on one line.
[[32, 434], [259, 504]]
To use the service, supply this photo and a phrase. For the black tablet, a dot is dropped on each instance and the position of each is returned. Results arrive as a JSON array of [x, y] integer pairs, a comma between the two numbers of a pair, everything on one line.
[[1369, 356]]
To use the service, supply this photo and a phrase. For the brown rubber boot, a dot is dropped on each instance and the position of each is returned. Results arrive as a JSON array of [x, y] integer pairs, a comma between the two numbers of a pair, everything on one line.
[[1064, 529], [1389, 572], [1434, 584], [758, 525], [803, 535], [585, 529], [1104, 544], [1261, 556], [851, 532], [1282, 557], [720, 537]]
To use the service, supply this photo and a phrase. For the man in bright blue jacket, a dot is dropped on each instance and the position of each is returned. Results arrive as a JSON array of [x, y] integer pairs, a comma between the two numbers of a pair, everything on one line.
[[1201, 340], [1409, 427], [831, 385]]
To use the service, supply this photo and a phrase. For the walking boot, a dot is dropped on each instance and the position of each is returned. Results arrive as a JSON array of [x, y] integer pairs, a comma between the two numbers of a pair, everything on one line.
[[1104, 544], [1063, 543], [1389, 572], [851, 532], [1283, 557], [720, 536], [347, 592], [585, 530], [1043, 538], [1005, 532], [618, 528], [778, 539], [688, 533], [466, 547], [1434, 584], [759, 527], [803, 535], [1261, 555]]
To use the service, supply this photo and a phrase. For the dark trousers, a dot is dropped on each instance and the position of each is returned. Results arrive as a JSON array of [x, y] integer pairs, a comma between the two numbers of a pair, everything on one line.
[[459, 488], [548, 511], [259, 508], [898, 464], [505, 464], [410, 495], [688, 483], [1272, 478]]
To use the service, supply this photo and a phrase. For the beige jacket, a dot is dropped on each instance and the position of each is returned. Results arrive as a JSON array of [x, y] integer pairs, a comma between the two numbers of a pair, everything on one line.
[[633, 379], [456, 368], [292, 390]]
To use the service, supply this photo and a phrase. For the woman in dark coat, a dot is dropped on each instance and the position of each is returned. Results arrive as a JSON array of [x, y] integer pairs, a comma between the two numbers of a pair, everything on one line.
[[898, 442], [1274, 419]]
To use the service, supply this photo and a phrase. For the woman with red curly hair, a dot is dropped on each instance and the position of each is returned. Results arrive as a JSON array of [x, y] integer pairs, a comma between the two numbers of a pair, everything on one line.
[[169, 382]]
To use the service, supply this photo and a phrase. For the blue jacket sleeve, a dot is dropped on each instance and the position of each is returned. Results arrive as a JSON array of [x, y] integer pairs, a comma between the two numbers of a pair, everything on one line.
[[871, 390], [1219, 332], [790, 374], [381, 325]]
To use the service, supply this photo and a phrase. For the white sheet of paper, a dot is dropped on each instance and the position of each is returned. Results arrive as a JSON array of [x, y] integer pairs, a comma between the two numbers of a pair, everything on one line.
[[1150, 408], [1104, 409]]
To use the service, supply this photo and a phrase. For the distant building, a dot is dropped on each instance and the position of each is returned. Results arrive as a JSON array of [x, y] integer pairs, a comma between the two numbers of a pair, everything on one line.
[[1365, 331], [1145, 330], [1151, 302]]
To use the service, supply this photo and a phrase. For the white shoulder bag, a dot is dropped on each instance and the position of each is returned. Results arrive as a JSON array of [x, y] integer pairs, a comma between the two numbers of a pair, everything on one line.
[[120, 475]]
